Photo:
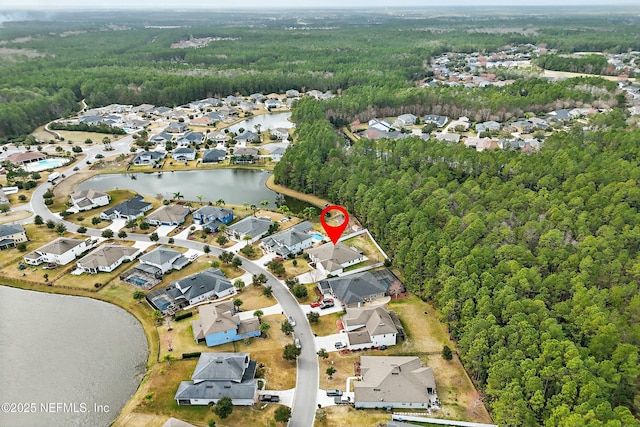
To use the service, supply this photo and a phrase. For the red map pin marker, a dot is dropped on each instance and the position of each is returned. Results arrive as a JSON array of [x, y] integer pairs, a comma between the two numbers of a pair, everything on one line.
[[334, 233]]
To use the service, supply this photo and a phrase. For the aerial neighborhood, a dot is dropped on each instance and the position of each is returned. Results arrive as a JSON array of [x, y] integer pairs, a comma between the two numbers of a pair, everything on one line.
[[235, 294]]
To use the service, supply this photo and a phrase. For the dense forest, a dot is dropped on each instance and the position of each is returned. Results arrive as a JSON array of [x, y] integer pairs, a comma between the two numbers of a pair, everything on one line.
[[589, 64], [114, 58], [533, 260]]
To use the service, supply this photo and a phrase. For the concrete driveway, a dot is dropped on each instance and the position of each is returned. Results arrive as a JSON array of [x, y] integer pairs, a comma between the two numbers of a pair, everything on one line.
[[329, 342], [286, 396]]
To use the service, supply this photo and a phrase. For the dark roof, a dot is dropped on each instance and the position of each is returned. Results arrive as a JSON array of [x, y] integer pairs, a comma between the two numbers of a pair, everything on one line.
[[9, 229], [355, 288], [212, 212], [134, 206], [213, 154], [200, 283], [251, 225]]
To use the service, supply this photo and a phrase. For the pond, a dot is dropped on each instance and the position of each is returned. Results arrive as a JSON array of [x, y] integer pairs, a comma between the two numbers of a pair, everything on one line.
[[266, 121], [234, 186], [75, 361]]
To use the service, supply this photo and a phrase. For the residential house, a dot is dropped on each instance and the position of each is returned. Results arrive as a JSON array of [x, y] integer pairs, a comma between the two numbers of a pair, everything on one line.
[[272, 103], [228, 110], [481, 144], [450, 138], [436, 119], [161, 260], [107, 258], [462, 123], [290, 241], [219, 324], [233, 100], [203, 121], [292, 93], [218, 137], [214, 156], [252, 226], [280, 133], [194, 137], [356, 289], [244, 155], [184, 154], [395, 382], [160, 111], [371, 327], [177, 127], [212, 217], [561, 115], [169, 215], [407, 120], [257, 97], [489, 126], [84, 200], [375, 134], [247, 137], [11, 235], [218, 375], [161, 139], [129, 209], [61, 251], [333, 259], [248, 106], [382, 125], [277, 153], [201, 286], [148, 158]]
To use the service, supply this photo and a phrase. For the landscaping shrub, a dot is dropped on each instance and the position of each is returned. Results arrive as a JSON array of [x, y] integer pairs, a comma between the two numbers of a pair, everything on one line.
[[180, 316], [190, 355]]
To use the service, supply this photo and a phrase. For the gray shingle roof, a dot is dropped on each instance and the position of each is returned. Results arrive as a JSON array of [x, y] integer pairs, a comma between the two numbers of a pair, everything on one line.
[[160, 256], [200, 283], [132, 207], [251, 225], [9, 229], [355, 288], [106, 255]]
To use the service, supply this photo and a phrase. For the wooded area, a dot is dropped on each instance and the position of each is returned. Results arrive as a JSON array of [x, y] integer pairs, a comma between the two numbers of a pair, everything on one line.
[[533, 260]]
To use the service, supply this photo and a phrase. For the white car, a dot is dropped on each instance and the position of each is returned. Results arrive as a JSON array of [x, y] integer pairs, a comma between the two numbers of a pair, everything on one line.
[[292, 321]]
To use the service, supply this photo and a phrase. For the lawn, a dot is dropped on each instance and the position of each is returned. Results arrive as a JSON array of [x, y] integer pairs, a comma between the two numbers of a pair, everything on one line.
[[326, 324], [302, 266], [363, 242], [80, 137], [346, 416]]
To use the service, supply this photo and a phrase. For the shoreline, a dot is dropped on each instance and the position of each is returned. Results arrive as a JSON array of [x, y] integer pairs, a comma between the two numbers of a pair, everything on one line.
[[137, 311], [308, 198]]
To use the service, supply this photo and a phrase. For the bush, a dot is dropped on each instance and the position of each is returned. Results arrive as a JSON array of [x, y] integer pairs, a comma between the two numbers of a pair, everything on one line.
[[190, 355], [82, 229], [180, 316], [299, 291], [22, 246], [48, 202], [22, 198], [77, 149]]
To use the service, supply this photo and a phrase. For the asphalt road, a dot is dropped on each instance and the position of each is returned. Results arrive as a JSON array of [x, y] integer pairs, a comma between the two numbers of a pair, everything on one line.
[[307, 383]]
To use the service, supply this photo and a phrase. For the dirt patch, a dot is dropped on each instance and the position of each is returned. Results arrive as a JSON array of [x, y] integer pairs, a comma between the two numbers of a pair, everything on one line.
[[309, 198], [14, 216]]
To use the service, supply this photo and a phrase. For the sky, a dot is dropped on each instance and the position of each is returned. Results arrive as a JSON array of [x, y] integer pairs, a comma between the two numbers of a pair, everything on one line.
[[6, 5]]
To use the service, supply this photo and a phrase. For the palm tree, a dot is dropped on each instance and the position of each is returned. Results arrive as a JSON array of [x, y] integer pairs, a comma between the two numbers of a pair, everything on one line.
[[254, 208], [220, 202], [248, 238], [177, 195], [259, 314], [200, 198], [264, 203]]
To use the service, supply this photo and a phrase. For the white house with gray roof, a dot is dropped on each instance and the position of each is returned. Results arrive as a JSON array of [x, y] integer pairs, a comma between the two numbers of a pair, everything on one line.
[[107, 258], [164, 259], [333, 259], [129, 209], [289, 242], [371, 327], [395, 382], [256, 227], [84, 200], [169, 215], [183, 154], [148, 158], [61, 251], [204, 285], [356, 289], [217, 375]]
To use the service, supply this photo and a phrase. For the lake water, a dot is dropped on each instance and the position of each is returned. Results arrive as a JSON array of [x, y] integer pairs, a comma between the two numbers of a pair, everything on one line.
[[266, 121], [70, 361], [234, 186]]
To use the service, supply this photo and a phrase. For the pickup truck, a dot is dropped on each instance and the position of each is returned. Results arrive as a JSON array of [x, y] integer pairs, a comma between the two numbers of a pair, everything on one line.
[[269, 398]]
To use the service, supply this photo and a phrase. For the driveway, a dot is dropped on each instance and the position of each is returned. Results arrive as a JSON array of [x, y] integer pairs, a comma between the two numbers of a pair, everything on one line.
[[286, 396], [329, 342]]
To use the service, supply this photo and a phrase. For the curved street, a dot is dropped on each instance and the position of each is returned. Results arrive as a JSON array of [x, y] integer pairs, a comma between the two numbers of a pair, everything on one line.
[[307, 379]]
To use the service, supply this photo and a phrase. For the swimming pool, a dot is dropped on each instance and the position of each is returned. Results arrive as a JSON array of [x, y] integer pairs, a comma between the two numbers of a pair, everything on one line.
[[317, 237], [138, 281], [45, 164]]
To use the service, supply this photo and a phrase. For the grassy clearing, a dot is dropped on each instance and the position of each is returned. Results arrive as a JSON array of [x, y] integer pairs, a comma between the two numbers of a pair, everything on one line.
[[343, 364], [346, 416], [293, 271], [14, 216], [81, 137], [363, 242], [326, 324], [252, 298]]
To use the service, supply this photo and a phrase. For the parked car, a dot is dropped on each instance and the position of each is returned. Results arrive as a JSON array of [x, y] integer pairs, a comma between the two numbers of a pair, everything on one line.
[[342, 400], [297, 343], [326, 305], [269, 398], [340, 345], [292, 321], [334, 392], [316, 304]]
